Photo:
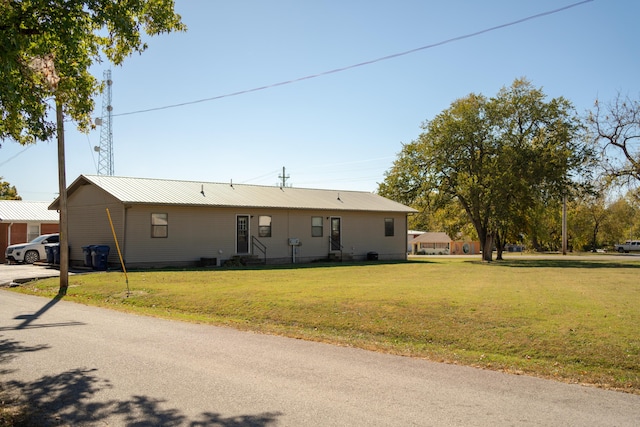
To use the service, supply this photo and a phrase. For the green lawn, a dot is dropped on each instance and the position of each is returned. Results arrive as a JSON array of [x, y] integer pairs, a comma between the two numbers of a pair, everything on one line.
[[573, 320]]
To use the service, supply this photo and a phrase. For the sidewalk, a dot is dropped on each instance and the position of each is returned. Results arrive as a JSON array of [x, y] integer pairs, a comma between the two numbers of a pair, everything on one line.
[[20, 273]]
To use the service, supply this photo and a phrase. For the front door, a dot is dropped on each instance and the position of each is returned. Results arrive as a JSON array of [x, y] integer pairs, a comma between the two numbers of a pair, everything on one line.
[[336, 239], [242, 234]]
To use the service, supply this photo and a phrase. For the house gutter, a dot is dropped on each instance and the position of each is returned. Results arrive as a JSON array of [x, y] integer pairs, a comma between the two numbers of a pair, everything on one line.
[[406, 233], [9, 242]]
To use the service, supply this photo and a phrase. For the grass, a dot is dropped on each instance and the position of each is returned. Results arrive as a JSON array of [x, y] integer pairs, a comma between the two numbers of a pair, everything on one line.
[[572, 320]]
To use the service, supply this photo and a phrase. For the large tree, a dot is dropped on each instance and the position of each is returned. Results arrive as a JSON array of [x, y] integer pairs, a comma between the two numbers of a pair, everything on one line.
[[48, 46], [496, 157], [46, 50], [616, 127]]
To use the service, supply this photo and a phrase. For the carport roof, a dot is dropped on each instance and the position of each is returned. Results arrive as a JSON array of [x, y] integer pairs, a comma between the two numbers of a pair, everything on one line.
[[21, 211], [199, 193]]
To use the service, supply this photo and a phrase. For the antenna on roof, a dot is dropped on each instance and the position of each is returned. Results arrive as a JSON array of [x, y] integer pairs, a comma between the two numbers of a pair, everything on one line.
[[231, 183], [202, 189], [284, 178]]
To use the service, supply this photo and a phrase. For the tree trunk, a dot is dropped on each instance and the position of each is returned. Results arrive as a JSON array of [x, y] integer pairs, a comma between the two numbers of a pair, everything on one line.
[[62, 186], [487, 247], [499, 247]]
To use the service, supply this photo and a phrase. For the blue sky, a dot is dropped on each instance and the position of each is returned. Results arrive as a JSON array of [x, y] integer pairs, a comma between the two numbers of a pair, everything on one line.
[[340, 130]]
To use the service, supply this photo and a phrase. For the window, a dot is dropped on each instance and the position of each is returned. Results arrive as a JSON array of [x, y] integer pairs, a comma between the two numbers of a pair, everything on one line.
[[159, 225], [33, 231], [388, 227], [264, 226], [316, 226]]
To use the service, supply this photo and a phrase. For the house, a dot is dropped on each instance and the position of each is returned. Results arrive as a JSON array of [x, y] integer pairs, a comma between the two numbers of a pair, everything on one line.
[[179, 223], [21, 222], [438, 243], [431, 244], [412, 235]]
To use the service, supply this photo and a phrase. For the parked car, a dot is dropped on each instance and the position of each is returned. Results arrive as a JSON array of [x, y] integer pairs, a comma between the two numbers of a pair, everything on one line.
[[32, 251]]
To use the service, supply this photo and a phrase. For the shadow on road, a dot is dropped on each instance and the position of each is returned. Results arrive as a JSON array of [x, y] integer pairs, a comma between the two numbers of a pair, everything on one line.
[[28, 319], [69, 398], [10, 349]]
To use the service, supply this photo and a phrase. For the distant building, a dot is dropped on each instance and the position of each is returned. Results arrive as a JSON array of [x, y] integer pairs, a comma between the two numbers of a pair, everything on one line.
[[439, 243], [412, 235], [21, 222]]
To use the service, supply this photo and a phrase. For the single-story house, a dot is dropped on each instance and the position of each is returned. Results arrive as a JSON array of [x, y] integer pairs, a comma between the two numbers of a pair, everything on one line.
[[439, 243], [22, 221], [178, 223], [431, 243], [412, 235]]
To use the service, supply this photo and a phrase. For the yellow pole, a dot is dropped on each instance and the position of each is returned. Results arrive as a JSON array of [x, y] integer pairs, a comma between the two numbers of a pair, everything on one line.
[[124, 269]]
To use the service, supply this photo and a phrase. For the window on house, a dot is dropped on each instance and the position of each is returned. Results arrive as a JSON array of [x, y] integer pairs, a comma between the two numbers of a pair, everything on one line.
[[388, 227], [33, 231], [264, 226], [159, 225], [316, 226]]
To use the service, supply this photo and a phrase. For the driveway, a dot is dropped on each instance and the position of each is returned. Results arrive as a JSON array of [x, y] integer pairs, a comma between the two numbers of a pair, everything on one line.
[[94, 367], [20, 273]]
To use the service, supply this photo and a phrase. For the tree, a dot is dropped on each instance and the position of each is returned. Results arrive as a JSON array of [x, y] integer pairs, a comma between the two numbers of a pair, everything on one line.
[[616, 127], [623, 220], [8, 191], [496, 157], [588, 216], [46, 49]]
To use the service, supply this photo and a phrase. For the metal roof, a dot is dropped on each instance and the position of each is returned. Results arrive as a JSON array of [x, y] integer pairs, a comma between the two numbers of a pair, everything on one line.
[[432, 237], [197, 193], [21, 211]]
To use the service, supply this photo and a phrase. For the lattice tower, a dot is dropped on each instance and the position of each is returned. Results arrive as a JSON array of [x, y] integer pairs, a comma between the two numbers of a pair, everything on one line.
[[105, 150]]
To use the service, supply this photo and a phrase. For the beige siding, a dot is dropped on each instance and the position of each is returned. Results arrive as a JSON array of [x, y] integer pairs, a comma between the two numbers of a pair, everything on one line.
[[364, 232], [89, 223], [198, 232], [193, 233]]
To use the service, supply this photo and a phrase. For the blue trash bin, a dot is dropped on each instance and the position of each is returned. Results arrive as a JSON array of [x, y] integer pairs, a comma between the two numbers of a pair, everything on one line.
[[49, 251], [100, 255], [55, 250], [86, 250]]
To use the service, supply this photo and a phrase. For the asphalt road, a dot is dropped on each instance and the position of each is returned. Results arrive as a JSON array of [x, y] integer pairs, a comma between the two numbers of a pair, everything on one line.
[[95, 367]]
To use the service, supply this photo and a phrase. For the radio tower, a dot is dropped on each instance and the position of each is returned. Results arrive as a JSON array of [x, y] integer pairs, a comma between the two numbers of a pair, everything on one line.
[[105, 150]]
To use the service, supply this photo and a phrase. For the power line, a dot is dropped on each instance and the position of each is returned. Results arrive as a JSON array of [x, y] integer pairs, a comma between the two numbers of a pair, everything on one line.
[[16, 155], [361, 64]]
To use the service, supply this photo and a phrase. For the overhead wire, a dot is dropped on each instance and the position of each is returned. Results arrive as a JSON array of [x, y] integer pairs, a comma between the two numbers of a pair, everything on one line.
[[16, 155], [361, 64]]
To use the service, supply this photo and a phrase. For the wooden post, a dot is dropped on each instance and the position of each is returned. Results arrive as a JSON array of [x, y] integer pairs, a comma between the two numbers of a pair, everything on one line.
[[62, 186]]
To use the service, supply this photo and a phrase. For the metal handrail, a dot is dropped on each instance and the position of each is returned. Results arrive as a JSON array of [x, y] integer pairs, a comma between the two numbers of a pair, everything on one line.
[[332, 243], [257, 244]]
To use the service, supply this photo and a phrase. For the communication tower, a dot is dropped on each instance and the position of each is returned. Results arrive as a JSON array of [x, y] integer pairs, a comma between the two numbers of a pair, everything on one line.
[[105, 150]]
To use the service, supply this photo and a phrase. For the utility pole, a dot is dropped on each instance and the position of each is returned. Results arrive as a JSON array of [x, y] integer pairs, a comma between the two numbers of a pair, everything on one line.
[[62, 185], [284, 178]]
